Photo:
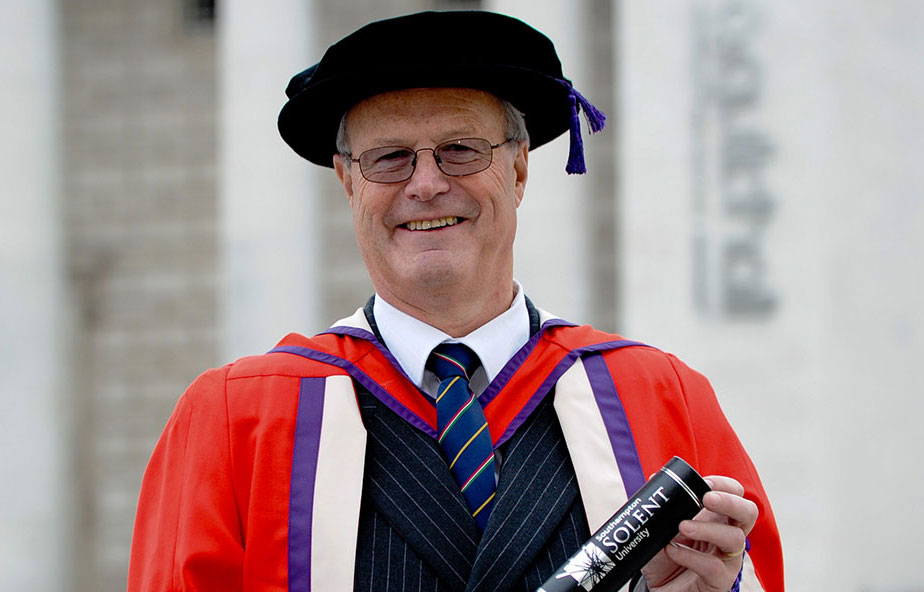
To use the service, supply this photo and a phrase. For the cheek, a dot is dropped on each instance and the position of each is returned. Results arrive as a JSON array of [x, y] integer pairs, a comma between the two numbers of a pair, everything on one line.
[[505, 206], [369, 206], [362, 199], [496, 180], [493, 192], [362, 190]]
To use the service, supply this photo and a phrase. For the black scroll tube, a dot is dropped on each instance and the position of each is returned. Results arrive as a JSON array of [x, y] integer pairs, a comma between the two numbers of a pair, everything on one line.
[[634, 534]]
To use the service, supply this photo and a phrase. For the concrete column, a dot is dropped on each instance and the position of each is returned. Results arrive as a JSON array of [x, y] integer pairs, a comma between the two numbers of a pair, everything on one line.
[[33, 361], [267, 193]]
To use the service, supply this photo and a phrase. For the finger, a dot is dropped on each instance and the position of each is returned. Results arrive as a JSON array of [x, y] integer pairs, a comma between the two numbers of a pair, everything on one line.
[[726, 484], [716, 574], [734, 509], [728, 540]]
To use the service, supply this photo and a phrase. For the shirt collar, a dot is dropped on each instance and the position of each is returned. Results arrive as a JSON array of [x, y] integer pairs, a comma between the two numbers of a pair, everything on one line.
[[411, 340]]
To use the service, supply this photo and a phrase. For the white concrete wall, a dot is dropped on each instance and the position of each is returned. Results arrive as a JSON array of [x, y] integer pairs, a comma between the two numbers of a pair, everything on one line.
[[823, 391], [33, 409], [265, 196]]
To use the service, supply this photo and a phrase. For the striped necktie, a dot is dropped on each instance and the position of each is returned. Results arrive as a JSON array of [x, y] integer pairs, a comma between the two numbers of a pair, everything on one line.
[[462, 429]]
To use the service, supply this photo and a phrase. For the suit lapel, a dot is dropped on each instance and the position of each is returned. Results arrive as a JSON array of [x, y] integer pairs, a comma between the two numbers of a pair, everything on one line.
[[409, 486], [536, 490]]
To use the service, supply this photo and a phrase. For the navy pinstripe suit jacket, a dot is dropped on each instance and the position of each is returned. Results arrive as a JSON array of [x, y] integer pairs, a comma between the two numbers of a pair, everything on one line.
[[416, 533]]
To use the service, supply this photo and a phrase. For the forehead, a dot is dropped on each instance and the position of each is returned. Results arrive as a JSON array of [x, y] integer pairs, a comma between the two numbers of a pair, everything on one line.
[[433, 114]]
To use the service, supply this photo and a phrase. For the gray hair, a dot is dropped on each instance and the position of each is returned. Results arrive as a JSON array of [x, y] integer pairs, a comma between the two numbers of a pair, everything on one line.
[[514, 129]]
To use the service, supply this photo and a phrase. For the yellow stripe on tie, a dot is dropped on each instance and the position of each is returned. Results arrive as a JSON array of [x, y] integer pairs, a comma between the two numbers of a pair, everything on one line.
[[445, 390], [470, 440], [484, 504]]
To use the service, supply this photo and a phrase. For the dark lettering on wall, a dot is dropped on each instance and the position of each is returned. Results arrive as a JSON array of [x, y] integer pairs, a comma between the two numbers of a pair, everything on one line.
[[732, 204]]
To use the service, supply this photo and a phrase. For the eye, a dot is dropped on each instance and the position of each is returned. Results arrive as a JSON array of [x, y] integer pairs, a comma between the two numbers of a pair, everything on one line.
[[461, 151], [385, 159], [392, 155]]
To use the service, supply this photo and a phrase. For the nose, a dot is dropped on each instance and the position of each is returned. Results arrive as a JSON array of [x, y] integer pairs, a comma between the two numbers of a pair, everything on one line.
[[427, 180]]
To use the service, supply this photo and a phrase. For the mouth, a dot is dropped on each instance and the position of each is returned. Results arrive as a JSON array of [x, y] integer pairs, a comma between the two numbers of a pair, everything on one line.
[[432, 224]]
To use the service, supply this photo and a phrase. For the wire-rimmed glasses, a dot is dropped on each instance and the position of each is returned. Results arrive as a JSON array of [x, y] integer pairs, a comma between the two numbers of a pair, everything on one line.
[[456, 158]]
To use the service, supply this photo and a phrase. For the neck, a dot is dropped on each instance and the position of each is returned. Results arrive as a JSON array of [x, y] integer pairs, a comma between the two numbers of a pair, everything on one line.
[[454, 312]]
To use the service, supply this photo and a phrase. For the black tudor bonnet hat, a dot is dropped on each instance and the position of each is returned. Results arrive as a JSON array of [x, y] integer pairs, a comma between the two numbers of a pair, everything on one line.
[[467, 49]]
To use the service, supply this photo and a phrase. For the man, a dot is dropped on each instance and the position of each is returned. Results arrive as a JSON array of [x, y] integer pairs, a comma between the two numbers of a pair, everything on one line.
[[381, 454]]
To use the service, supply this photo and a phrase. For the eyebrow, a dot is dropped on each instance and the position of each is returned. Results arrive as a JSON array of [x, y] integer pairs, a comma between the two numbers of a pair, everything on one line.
[[465, 132], [379, 142], [453, 134]]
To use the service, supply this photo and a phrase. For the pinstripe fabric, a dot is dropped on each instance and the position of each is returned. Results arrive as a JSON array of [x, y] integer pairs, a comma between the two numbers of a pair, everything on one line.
[[415, 530], [536, 491], [571, 534], [409, 493], [390, 563]]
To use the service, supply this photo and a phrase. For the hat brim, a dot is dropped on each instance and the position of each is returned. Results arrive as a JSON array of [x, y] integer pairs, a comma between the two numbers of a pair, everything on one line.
[[309, 121]]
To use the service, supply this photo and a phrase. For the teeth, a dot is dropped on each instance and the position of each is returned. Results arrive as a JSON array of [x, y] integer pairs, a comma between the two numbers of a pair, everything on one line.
[[428, 224]]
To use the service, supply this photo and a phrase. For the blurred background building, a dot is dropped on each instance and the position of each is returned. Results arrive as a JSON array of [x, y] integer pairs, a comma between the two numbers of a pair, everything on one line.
[[755, 206]]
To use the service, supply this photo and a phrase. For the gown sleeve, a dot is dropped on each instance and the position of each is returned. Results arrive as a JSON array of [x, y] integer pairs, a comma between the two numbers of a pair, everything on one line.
[[188, 534], [720, 452]]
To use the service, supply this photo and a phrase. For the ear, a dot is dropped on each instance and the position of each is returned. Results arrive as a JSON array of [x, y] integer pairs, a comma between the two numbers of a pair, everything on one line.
[[521, 170], [344, 172]]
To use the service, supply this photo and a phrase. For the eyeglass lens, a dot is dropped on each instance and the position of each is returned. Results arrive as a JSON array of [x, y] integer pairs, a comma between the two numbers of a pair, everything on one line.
[[393, 164]]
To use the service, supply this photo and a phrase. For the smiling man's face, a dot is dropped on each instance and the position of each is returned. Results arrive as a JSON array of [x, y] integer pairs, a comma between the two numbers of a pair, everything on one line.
[[434, 233]]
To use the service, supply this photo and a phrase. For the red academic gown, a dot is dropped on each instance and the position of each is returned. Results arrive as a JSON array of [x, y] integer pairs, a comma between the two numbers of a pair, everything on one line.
[[253, 448]]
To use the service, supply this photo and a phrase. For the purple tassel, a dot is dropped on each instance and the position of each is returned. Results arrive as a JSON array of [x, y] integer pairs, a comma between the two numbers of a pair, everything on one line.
[[576, 153], [596, 119]]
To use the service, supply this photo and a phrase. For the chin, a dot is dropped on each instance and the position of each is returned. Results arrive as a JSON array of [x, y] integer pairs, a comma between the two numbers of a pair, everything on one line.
[[434, 276], [434, 270]]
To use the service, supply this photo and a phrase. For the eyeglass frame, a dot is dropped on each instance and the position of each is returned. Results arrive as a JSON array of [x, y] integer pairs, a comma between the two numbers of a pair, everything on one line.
[[436, 158]]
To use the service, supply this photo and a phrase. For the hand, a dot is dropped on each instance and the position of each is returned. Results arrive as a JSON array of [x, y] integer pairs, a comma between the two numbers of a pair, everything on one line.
[[706, 556]]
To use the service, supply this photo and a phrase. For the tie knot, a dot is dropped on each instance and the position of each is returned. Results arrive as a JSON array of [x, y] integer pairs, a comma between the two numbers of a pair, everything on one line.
[[452, 359]]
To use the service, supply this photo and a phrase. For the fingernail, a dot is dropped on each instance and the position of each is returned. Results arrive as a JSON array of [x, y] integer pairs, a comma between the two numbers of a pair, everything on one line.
[[681, 546]]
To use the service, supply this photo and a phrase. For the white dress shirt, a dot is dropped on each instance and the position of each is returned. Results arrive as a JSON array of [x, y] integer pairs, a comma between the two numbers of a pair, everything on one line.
[[411, 341]]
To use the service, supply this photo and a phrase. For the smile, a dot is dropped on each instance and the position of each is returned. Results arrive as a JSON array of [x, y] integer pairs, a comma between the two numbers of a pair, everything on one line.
[[431, 224]]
